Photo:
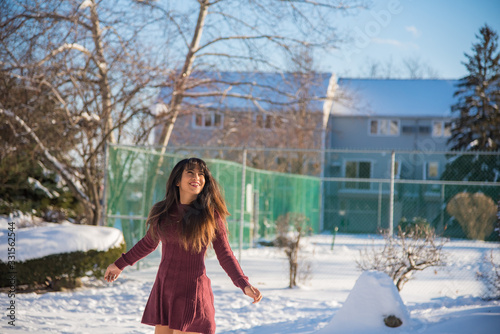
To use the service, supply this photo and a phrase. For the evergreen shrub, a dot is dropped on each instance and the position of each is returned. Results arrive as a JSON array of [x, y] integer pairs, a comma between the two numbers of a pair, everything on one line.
[[65, 267]]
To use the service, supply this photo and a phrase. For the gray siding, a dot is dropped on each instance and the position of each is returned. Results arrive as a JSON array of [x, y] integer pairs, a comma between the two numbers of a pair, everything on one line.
[[353, 132]]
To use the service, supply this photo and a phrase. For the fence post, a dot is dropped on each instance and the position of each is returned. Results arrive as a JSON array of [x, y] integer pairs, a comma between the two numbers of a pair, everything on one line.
[[322, 190], [391, 199], [379, 208], [441, 216], [242, 207], [104, 220]]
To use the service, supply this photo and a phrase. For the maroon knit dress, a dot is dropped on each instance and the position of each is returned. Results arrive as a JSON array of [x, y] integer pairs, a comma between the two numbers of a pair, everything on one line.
[[182, 297]]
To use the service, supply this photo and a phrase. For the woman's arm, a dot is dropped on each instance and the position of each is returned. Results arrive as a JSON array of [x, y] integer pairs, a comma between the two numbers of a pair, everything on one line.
[[229, 263], [226, 256], [141, 249]]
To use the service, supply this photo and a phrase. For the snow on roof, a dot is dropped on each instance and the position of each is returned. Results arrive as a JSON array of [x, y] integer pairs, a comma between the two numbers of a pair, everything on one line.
[[37, 242], [272, 91], [395, 97]]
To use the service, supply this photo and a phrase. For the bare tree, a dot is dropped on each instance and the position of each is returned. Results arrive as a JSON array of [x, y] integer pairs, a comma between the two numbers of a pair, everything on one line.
[[103, 62], [305, 116], [290, 228], [418, 69], [291, 130], [88, 59], [229, 35], [413, 249], [411, 67]]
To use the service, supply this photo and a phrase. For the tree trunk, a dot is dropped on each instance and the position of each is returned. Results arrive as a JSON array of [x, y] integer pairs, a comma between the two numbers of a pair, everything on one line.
[[177, 94], [103, 72]]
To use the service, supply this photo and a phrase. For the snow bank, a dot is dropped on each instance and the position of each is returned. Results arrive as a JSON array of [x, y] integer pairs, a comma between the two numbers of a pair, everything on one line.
[[37, 242], [442, 302], [373, 297]]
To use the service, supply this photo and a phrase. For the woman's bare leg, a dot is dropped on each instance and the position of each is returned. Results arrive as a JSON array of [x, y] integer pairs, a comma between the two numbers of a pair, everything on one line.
[[165, 330]]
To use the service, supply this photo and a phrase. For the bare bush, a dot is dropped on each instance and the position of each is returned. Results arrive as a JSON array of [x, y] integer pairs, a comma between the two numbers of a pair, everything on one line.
[[411, 250], [290, 228], [491, 277], [474, 212]]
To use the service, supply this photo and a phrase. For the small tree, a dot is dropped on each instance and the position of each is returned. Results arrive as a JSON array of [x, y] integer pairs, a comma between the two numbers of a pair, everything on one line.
[[491, 276], [413, 249], [290, 228], [474, 212]]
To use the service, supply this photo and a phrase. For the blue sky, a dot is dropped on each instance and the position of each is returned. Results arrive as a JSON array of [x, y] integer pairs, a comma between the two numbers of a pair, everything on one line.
[[436, 33]]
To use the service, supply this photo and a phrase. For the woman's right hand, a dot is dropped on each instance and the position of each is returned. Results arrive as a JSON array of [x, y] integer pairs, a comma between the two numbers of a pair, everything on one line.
[[254, 293], [112, 273]]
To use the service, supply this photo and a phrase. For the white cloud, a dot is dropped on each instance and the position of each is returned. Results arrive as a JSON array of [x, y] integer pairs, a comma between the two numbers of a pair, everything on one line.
[[396, 43], [387, 41], [413, 30]]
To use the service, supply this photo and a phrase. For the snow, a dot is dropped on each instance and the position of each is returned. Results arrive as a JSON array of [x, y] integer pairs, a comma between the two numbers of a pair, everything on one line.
[[37, 185], [48, 156], [90, 117], [85, 4], [353, 97], [233, 90], [439, 300], [52, 238], [373, 297]]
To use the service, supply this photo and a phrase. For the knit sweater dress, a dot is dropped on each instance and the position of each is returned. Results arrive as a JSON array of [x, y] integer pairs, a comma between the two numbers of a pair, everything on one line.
[[182, 297]]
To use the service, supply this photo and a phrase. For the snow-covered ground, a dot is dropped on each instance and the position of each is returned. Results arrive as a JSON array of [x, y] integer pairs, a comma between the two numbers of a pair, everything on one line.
[[439, 300]]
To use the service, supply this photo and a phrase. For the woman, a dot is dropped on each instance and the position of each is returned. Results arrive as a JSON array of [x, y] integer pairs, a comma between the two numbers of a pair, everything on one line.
[[187, 221]]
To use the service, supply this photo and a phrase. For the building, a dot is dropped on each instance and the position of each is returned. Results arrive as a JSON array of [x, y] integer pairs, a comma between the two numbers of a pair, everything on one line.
[[374, 117], [358, 121], [256, 110]]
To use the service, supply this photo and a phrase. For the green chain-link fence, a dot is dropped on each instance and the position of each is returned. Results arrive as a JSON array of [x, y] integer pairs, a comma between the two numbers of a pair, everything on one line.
[[134, 184], [355, 195], [351, 192], [358, 190]]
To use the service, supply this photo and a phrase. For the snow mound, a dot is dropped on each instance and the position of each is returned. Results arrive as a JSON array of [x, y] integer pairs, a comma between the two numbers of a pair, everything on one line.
[[373, 297], [36, 242]]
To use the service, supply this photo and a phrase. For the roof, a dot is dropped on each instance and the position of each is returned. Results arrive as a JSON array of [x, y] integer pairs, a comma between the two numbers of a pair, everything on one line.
[[395, 97], [274, 91], [271, 91]]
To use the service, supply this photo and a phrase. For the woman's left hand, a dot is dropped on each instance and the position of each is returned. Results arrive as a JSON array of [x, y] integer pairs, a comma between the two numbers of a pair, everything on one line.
[[254, 293]]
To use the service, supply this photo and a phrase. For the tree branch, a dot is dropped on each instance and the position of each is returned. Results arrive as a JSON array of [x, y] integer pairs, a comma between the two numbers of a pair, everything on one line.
[[49, 157]]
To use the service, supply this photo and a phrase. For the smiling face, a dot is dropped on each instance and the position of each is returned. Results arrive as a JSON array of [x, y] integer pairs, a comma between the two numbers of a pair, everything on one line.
[[191, 184]]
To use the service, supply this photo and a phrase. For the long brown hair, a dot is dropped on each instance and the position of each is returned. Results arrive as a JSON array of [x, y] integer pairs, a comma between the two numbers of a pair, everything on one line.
[[199, 221]]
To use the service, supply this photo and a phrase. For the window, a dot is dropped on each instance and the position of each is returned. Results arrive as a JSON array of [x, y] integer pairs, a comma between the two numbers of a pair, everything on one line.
[[358, 170], [199, 120], [407, 129], [259, 120], [384, 127], [441, 129], [335, 169], [425, 130], [268, 121], [431, 170], [208, 120]]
